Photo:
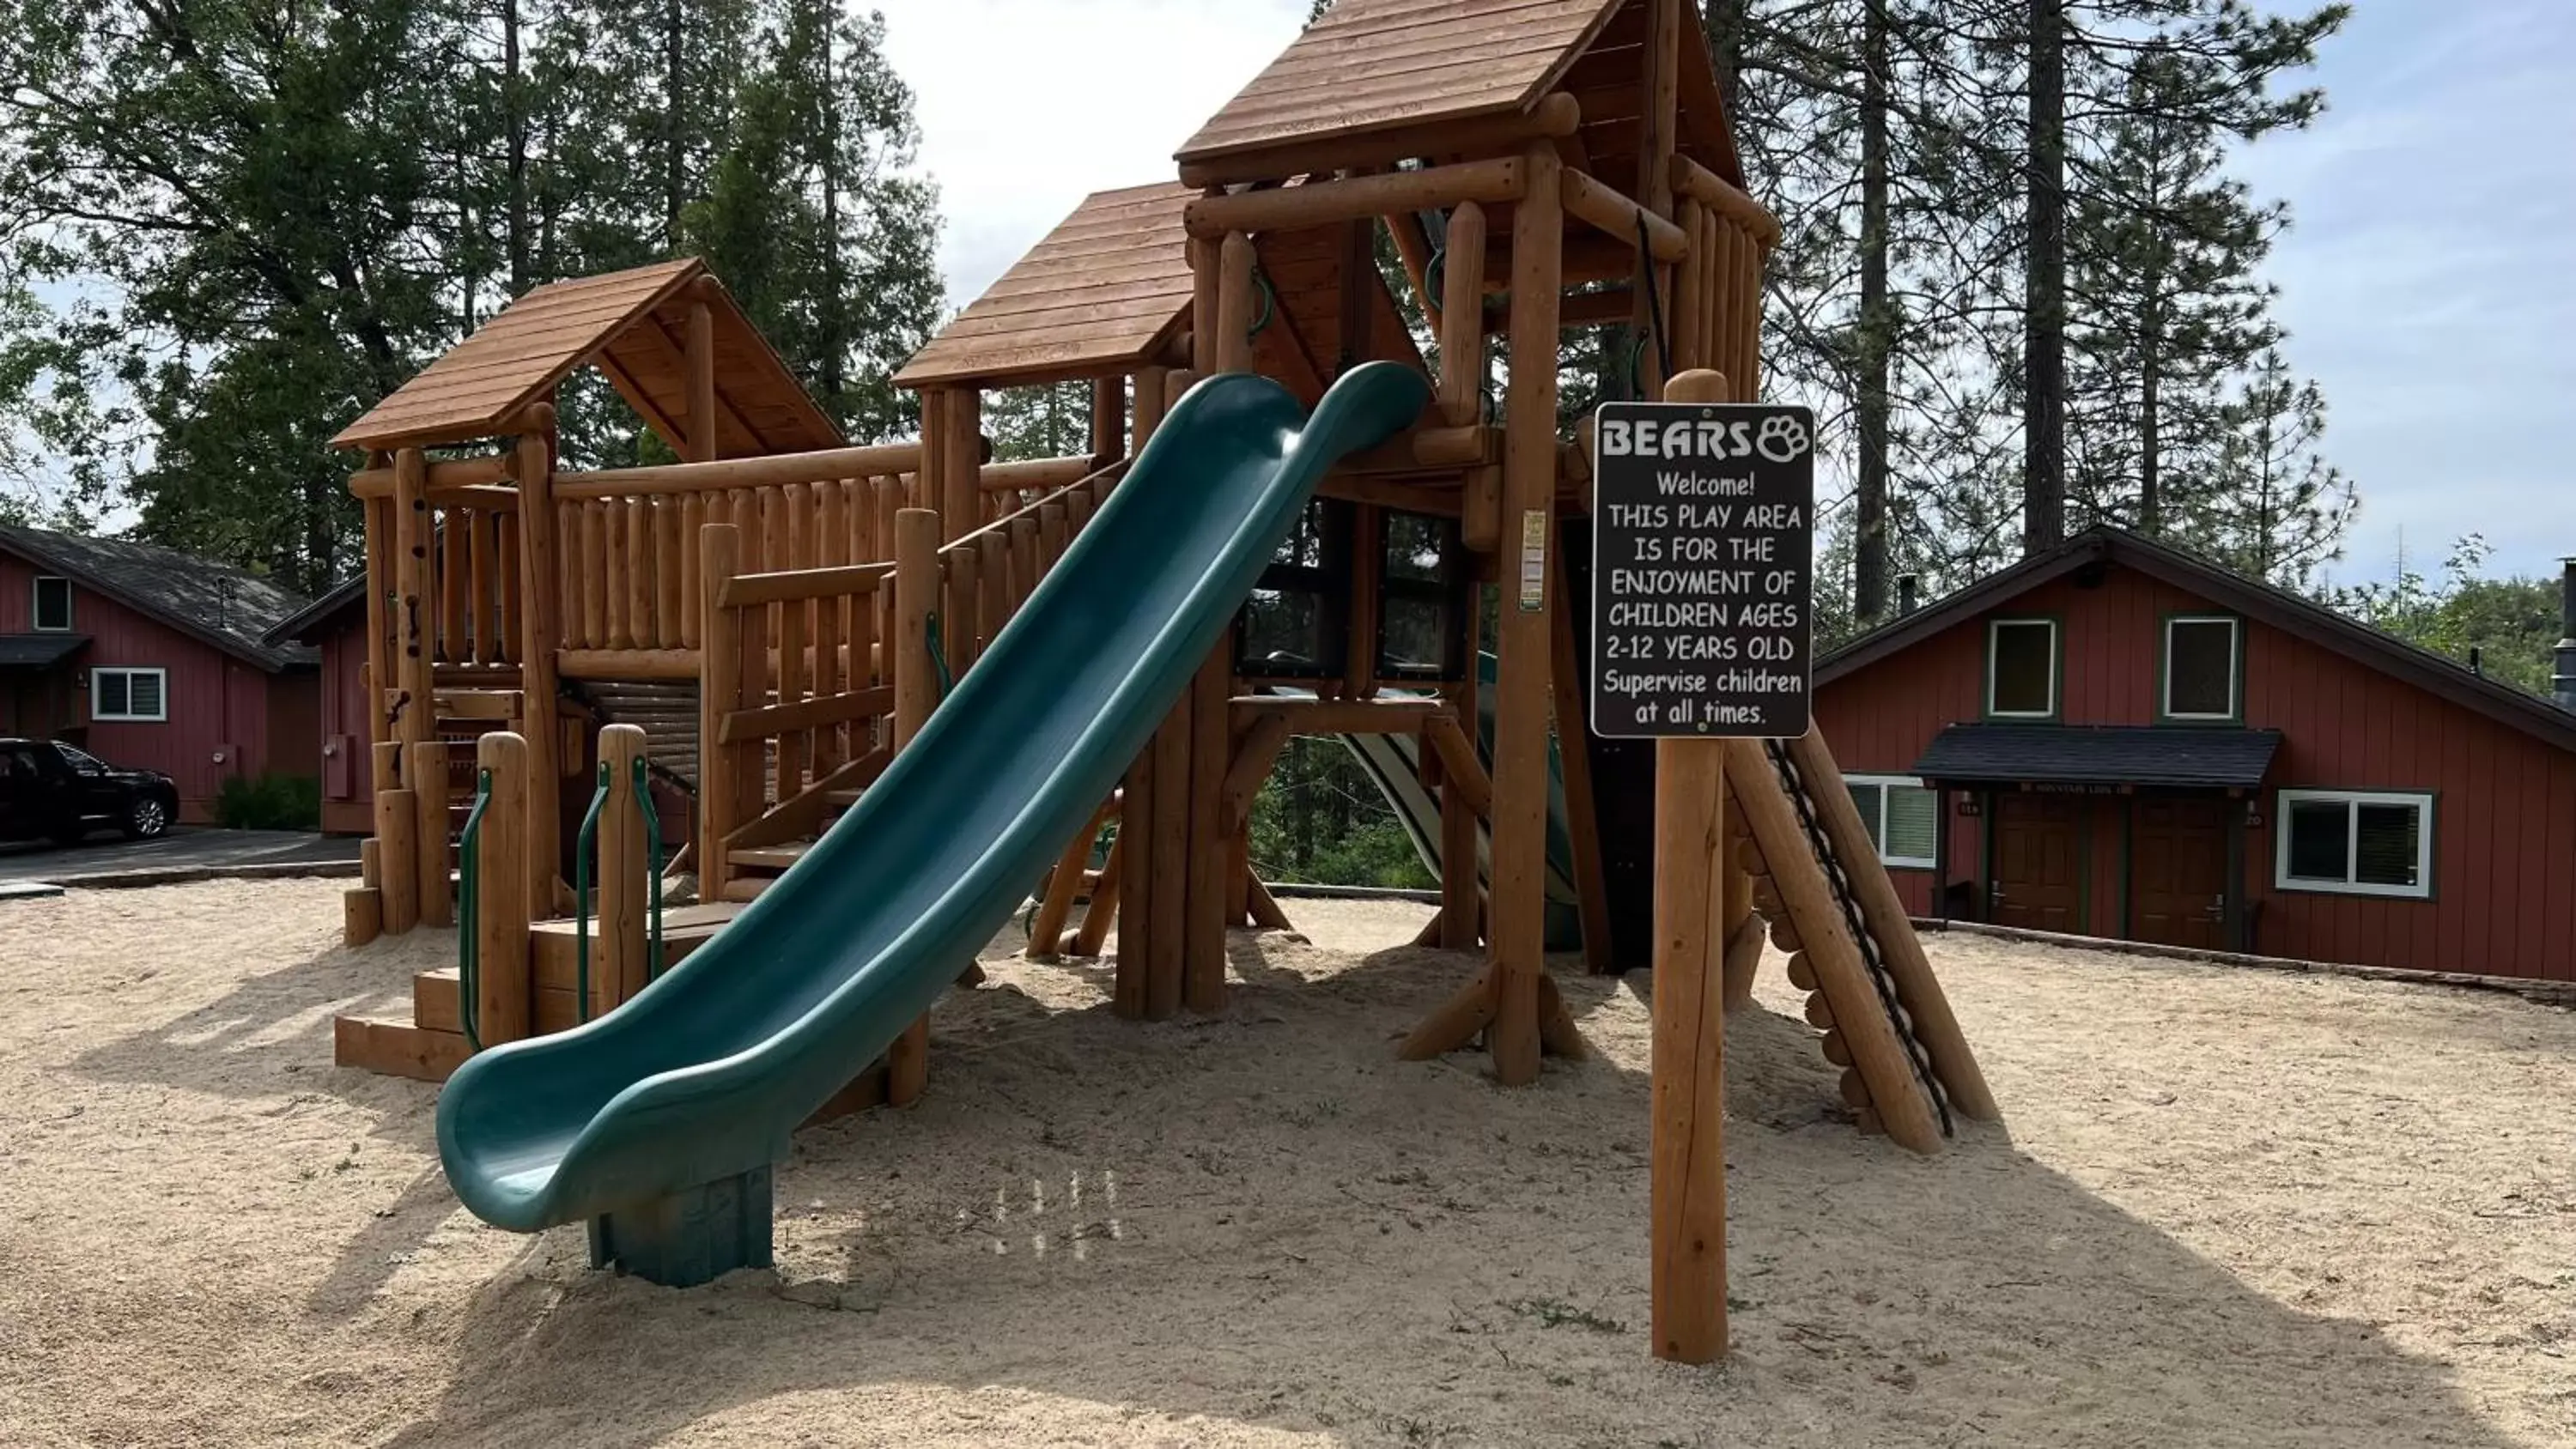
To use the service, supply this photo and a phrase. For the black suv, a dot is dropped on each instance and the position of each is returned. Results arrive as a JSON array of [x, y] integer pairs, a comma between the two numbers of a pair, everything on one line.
[[49, 790]]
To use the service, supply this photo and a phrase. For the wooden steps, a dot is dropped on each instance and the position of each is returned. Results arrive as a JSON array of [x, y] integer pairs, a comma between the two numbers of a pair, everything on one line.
[[771, 857], [432, 1043], [396, 1048]]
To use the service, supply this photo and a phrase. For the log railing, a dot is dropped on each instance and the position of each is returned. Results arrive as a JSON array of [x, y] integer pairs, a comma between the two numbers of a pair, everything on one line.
[[800, 667], [634, 586], [793, 696]]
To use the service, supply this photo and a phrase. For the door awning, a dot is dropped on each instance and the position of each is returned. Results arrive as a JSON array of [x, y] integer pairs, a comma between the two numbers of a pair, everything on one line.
[[2174, 757], [38, 651]]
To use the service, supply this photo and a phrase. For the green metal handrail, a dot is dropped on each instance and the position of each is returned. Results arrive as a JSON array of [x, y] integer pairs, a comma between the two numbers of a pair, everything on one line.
[[469, 902], [584, 853], [938, 653]]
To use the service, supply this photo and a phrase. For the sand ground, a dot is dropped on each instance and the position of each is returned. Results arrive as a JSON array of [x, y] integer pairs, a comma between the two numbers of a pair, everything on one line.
[[2231, 1208]]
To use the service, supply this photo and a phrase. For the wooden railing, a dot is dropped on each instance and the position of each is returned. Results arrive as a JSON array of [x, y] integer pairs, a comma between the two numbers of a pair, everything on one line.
[[633, 591], [801, 667]]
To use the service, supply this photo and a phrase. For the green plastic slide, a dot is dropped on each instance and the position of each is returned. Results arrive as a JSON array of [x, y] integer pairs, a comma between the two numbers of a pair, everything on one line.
[[658, 1122]]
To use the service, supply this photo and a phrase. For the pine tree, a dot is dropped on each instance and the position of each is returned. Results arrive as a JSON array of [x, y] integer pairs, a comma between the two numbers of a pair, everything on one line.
[[814, 224], [270, 218], [2168, 306], [1048, 420], [2271, 507]]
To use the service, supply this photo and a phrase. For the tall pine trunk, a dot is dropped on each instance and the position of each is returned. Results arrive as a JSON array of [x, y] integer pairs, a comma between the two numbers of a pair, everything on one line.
[[835, 346], [514, 111], [674, 112], [2151, 366], [2044, 327], [1877, 325]]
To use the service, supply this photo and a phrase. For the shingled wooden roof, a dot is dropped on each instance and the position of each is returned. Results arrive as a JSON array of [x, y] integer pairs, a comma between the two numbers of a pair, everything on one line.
[[633, 326], [1106, 289], [1371, 64], [1374, 65]]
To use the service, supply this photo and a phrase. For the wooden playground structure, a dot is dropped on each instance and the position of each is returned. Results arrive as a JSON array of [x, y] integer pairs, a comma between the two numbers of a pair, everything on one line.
[[1536, 167]]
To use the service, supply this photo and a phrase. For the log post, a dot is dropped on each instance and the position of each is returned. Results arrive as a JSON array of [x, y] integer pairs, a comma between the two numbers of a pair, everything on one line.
[[1743, 933], [1689, 1033], [541, 615], [1516, 926], [415, 597], [916, 593], [1108, 420], [1234, 310], [701, 363], [617, 968], [1657, 131], [425, 771], [397, 827], [502, 904], [1462, 314]]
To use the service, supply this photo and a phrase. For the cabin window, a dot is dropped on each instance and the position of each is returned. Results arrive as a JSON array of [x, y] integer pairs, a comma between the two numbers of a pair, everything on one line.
[[53, 612], [2351, 842], [1422, 588], [2021, 668], [2201, 668], [138, 695], [1900, 812]]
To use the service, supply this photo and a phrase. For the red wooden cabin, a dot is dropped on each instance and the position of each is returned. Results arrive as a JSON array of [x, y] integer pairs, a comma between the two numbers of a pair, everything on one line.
[[151, 658], [2115, 739]]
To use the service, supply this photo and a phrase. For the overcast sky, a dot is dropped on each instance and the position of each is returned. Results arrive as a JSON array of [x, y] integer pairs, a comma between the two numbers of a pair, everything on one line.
[[2426, 281]]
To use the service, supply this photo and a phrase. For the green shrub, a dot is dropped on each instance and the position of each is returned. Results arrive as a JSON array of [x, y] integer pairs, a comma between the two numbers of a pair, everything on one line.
[[271, 802]]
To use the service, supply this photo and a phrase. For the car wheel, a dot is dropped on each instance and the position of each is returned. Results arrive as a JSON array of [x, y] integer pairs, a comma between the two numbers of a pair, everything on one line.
[[147, 816]]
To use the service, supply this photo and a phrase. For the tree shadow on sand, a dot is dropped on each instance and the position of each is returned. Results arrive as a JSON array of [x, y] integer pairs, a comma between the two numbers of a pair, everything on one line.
[[1262, 1217]]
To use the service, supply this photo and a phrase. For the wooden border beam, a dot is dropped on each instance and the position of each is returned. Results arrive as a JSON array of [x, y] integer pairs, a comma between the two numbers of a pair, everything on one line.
[[1588, 199], [1356, 198], [1555, 115]]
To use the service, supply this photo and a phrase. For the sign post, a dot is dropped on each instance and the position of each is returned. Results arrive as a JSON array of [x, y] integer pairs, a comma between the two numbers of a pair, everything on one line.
[[1702, 630]]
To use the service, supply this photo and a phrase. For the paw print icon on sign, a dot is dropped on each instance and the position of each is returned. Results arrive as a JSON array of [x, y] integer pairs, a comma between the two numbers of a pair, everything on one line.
[[1781, 439]]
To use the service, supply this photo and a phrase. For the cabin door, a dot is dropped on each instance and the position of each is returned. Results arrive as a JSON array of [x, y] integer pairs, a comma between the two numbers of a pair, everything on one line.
[[2178, 872], [2038, 862]]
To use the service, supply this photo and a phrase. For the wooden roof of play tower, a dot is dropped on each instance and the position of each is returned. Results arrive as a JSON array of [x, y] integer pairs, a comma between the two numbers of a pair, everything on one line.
[[1372, 66], [633, 326], [1109, 289]]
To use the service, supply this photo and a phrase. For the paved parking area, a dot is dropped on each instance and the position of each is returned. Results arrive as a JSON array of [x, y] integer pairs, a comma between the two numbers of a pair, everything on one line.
[[186, 848]]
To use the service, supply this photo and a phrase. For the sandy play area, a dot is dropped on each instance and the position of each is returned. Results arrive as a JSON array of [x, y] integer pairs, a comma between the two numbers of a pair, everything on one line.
[[2232, 1208]]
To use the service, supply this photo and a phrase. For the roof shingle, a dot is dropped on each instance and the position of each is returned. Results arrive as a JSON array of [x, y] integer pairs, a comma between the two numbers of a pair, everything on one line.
[[222, 605]]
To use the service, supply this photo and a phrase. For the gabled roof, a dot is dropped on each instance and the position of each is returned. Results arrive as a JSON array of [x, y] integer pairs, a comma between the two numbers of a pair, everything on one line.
[[1105, 291], [633, 325], [2283, 610], [308, 624], [215, 603], [1376, 65]]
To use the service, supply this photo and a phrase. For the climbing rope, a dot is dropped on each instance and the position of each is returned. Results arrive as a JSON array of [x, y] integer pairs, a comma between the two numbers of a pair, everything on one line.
[[1654, 312], [1880, 977]]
